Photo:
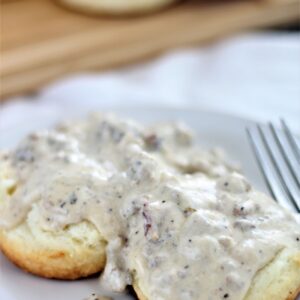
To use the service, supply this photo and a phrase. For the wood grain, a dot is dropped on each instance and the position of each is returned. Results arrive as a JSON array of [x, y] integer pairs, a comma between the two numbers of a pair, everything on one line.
[[41, 41]]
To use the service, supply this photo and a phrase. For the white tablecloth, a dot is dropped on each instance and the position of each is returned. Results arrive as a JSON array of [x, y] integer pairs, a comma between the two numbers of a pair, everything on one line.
[[255, 76]]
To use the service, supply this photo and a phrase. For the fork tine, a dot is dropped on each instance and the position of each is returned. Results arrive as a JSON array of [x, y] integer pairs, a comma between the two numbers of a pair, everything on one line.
[[260, 162], [289, 158], [284, 177], [261, 156], [291, 139]]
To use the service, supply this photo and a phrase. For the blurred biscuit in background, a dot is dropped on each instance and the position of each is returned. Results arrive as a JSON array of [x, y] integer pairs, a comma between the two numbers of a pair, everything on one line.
[[117, 7]]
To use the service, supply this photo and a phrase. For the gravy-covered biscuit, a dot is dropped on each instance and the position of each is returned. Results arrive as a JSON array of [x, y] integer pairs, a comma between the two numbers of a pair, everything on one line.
[[150, 208]]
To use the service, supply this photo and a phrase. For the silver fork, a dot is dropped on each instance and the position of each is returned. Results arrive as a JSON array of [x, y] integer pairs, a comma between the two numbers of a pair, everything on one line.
[[278, 156]]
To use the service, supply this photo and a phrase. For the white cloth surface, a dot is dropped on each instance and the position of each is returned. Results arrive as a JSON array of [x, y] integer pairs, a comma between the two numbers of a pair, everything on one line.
[[256, 76]]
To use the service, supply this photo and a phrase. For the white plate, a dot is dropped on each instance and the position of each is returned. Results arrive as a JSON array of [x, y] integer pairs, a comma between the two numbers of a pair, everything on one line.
[[212, 130]]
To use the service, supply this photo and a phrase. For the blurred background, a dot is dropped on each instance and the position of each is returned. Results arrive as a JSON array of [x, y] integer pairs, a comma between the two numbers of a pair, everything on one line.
[[240, 57]]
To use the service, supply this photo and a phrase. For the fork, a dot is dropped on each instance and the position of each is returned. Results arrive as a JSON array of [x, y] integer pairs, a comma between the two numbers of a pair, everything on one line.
[[278, 157]]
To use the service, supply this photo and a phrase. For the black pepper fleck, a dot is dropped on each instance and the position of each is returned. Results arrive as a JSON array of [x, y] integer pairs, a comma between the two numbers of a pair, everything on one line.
[[73, 199], [226, 296]]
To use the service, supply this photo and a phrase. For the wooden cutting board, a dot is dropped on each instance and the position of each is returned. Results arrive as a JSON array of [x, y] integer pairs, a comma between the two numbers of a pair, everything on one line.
[[41, 41]]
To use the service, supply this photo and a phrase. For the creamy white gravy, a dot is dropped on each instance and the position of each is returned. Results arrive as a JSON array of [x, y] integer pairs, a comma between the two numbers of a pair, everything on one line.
[[178, 219]]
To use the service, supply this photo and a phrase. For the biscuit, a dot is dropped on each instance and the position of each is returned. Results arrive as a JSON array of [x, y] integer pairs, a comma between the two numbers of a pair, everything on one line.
[[278, 280], [117, 7], [74, 252]]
